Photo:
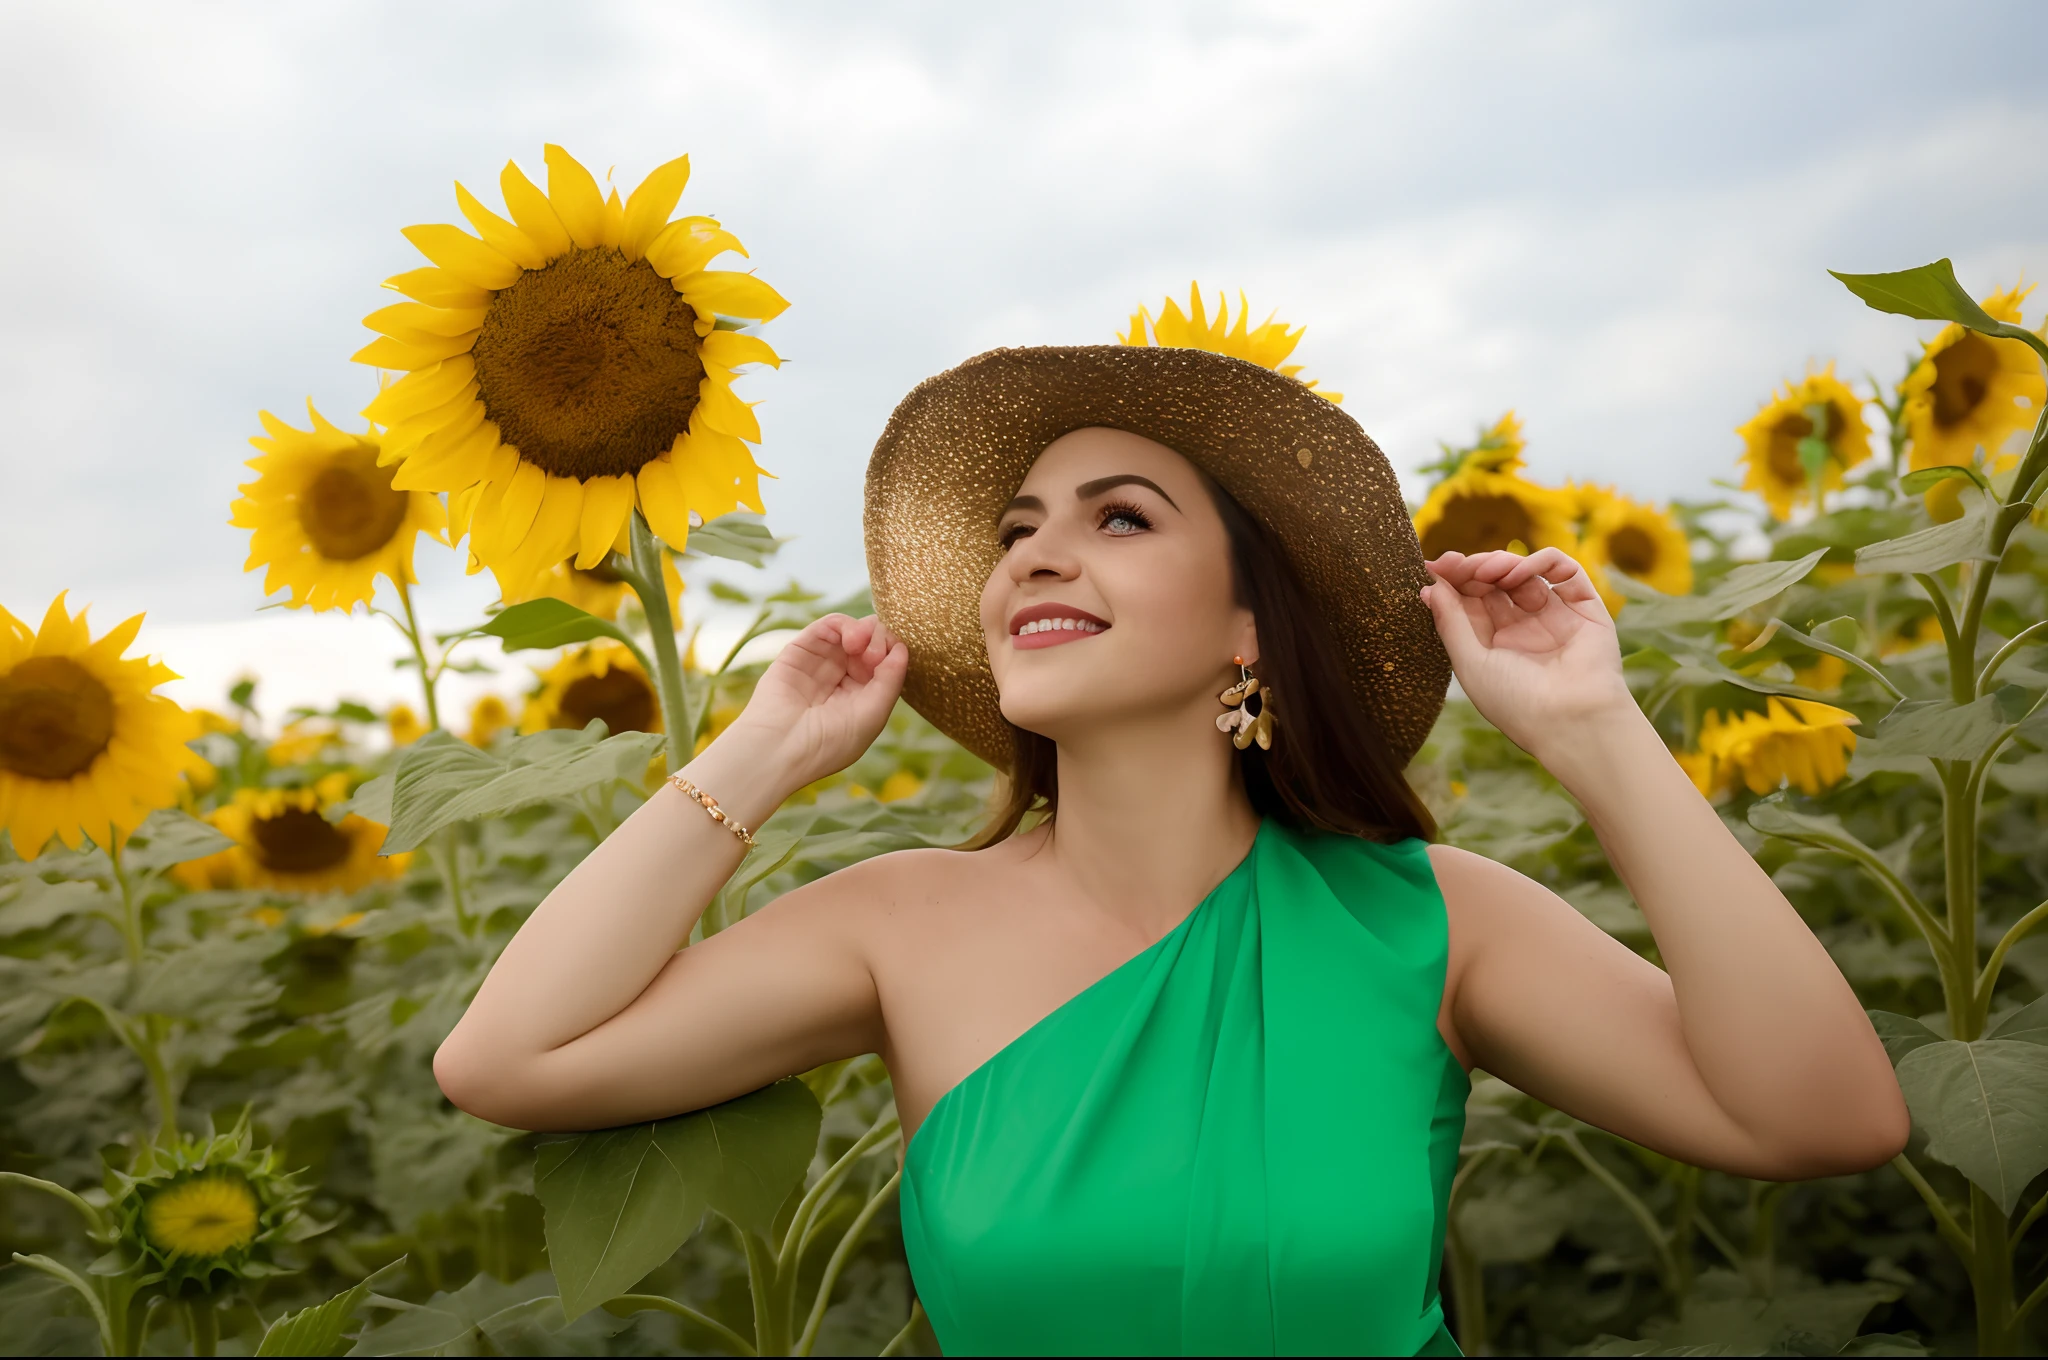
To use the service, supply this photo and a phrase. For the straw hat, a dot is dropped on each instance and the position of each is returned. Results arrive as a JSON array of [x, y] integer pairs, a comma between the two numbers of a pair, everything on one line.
[[958, 447]]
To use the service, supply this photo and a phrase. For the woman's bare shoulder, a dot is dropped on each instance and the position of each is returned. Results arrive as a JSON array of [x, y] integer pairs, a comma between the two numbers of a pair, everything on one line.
[[905, 884]]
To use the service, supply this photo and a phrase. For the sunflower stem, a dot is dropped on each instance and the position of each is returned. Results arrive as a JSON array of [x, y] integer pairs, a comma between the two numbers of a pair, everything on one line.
[[202, 1326], [428, 676], [131, 916], [668, 666]]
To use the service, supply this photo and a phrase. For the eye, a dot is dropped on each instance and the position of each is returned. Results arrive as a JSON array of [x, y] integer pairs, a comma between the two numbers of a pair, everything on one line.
[[1013, 531], [1123, 519]]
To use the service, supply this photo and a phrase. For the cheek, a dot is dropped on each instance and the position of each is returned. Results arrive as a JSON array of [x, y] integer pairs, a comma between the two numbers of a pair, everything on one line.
[[1179, 599]]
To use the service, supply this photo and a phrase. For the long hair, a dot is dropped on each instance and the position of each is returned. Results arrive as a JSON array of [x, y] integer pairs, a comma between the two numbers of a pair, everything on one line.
[[1330, 768]]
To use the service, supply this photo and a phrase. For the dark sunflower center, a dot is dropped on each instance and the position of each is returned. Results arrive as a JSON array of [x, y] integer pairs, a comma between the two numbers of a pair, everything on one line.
[[299, 841], [55, 718], [590, 365], [1783, 454], [1482, 523], [349, 510], [1633, 550], [621, 698], [1962, 378]]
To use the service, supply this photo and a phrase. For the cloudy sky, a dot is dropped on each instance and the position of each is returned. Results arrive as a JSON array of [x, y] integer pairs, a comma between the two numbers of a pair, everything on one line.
[[1613, 218]]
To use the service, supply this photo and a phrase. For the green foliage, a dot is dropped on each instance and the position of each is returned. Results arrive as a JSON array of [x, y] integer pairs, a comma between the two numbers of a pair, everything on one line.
[[550, 622]]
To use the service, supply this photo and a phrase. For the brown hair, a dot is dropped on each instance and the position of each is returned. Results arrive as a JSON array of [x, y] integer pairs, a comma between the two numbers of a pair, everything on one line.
[[1330, 768]]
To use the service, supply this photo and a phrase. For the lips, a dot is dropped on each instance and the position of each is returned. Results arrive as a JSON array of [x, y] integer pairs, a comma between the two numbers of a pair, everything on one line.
[[1048, 625]]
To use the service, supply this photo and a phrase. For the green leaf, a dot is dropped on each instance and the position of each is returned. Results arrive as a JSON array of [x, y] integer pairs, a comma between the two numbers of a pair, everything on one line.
[[170, 837], [1984, 1107], [1926, 479], [1744, 587], [1942, 545], [441, 780], [1929, 293], [1901, 1034], [621, 1201], [739, 537], [318, 1330], [2027, 1025], [548, 623], [32, 904], [1937, 728], [464, 1322], [1723, 1316], [371, 800]]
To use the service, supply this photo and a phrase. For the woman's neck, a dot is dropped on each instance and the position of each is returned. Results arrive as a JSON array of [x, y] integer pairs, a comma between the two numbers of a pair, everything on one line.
[[1152, 815]]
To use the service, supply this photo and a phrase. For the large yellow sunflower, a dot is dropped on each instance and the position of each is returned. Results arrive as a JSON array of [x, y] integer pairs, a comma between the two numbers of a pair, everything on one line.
[[1969, 389], [603, 680], [1635, 539], [1268, 344], [1474, 510], [326, 520], [1794, 741], [85, 748], [571, 365], [1819, 406], [284, 840]]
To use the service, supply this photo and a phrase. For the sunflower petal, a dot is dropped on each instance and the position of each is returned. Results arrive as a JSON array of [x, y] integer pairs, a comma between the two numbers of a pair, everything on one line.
[[553, 533], [406, 320], [648, 209], [661, 497], [726, 292], [716, 473], [575, 197], [437, 288], [607, 504], [521, 503], [723, 411], [687, 244], [462, 255], [500, 235], [614, 220], [385, 352], [730, 349], [422, 390], [532, 211]]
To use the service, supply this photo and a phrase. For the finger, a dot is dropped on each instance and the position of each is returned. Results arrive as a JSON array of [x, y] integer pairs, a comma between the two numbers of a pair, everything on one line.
[[1453, 624], [1531, 595], [1444, 563], [1552, 564], [878, 640]]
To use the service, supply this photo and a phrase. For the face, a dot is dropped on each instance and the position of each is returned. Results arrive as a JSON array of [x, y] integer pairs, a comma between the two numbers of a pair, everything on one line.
[[1113, 601]]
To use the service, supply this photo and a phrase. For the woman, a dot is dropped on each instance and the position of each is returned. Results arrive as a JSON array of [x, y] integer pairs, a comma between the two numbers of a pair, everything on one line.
[[1183, 1066]]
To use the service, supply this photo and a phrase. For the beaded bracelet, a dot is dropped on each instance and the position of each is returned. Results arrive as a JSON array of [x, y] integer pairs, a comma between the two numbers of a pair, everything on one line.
[[710, 805]]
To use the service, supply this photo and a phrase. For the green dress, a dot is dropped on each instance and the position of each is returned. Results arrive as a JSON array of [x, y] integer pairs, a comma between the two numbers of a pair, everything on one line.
[[1241, 1141]]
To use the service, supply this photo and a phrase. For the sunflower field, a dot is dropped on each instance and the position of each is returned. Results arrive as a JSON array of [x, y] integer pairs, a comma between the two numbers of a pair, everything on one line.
[[230, 941]]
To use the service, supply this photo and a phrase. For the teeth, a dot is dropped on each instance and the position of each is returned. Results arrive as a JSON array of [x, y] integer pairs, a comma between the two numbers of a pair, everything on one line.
[[1070, 625]]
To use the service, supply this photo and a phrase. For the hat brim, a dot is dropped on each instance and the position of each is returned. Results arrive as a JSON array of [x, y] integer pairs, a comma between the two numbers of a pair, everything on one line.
[[959, 445]]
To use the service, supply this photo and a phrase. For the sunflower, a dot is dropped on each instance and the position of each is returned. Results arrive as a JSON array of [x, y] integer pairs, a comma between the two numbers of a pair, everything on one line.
[[1267, 345], [325, 520], [1819, 406], [599, 681], [86, 750], [1635, 539], [598, 590], [1970, 389], [1474, 510], [570, 366], [488, 717], [305, 740], [284, 840], [200, 1214], [1793, 741], [405, 725]]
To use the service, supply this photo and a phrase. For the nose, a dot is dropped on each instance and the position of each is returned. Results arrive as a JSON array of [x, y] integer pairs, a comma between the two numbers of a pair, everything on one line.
[[1044, 555]]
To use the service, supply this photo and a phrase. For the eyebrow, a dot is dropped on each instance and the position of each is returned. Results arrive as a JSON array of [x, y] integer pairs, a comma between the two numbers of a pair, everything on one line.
[[1089, 490]]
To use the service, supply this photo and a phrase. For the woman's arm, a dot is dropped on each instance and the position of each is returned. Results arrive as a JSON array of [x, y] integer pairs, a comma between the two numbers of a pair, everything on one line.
[[1750, 1052], [592, 1017]]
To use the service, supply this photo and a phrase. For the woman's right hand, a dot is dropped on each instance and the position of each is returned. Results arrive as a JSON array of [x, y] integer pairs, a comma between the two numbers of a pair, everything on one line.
[[823, 701]]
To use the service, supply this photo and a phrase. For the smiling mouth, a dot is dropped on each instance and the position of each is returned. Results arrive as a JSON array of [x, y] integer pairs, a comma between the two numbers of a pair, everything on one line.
[[1050, 625]]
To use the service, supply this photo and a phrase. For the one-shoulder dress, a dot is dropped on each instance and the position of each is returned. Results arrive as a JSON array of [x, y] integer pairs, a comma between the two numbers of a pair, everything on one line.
[[1240, 1141]]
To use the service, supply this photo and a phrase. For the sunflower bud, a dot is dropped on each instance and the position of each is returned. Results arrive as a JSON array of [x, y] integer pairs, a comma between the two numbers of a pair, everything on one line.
[[200, 1215]]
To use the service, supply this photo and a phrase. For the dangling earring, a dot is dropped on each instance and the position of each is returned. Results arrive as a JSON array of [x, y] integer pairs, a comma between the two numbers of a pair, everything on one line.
[[1238, 720]]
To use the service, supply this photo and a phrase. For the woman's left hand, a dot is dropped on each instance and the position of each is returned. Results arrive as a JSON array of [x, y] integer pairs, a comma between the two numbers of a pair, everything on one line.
[[1532, 645]]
